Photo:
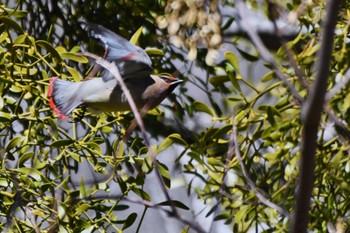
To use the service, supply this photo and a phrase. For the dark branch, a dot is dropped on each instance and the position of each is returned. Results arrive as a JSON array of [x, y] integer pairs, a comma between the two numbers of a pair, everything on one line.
[[311, 117]]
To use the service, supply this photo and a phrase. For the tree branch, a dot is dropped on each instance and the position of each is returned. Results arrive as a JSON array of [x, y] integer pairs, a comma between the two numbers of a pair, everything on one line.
[[259, 194], [311, 118], [264, 53]]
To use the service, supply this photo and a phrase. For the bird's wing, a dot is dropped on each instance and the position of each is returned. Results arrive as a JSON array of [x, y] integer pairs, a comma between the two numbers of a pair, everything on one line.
[[129, 57]]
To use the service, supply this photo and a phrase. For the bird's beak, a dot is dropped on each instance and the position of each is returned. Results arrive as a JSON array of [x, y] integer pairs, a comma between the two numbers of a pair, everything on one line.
[[176, 82]]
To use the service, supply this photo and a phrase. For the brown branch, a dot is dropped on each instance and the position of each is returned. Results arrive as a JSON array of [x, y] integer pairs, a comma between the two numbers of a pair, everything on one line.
[[259, 194], [311, 117], [264, 53]]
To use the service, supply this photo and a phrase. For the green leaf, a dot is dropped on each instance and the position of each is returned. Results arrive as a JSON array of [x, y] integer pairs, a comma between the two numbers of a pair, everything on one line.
[[13, 24], [75, 50], [82, 188], [20, 39], [212, 209], [241, 213], [176, 138], [267, 77], [16, 13], [136, 36], [141, 193], [228, 23], [282, 102], [74, 57], [234, 98], [270, 117], [165, 174], [95, 147], [167, 142], [123, 186], [25, 157], [82, 208], [222, 216], [154, 51], [106, 129], [62, 142], [118, 147], [202, 107], [196, 156], [121, 207], [222, 131], [248, 56], [234, 81], [215, 162], [75, 156], [233, 60], [75, 74], [64, 183], [13, 143], [15, 89], [53, 126], [186, 230], [336, 159], [178, 204], [218, 80], [45, 45], [29, 171], [129, 221], [4, 116]]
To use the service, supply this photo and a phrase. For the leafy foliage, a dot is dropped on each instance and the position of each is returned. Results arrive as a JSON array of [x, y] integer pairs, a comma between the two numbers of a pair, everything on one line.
[[43, 160]]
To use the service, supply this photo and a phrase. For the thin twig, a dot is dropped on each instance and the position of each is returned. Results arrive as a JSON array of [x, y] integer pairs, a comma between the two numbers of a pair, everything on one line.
[[264, 53], [259, 194], [300, 74]]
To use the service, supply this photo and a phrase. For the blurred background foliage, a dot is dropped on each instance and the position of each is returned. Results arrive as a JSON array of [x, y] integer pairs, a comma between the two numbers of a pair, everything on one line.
[[44, 186]]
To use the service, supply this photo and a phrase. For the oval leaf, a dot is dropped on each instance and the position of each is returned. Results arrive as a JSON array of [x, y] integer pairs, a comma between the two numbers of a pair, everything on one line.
[[154, 51], [218, 80], [176, 138], [13, 143], [202, 107], [178, 204], [25, 157], [13, 24], [74, 73], [45, 45], [141, 193], [74, 57], [232, 59], [4, 116], [129, 220], [164, 145], [62, 142]]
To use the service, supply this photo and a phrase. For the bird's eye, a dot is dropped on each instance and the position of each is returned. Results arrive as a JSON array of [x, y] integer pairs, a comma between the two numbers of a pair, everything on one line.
[[166, 79]]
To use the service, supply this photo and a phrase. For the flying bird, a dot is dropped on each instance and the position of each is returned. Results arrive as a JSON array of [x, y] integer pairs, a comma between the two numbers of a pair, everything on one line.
[[104, 94]]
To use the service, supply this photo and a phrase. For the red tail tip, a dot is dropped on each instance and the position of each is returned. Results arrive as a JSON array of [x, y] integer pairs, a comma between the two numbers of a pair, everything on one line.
[[52, 101]]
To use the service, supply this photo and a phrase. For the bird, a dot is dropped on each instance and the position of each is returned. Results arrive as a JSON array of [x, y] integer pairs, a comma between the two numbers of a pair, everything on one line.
[[104, 94]]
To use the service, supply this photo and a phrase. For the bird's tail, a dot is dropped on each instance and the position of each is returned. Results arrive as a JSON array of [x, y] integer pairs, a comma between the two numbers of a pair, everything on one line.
[[63, 96]]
